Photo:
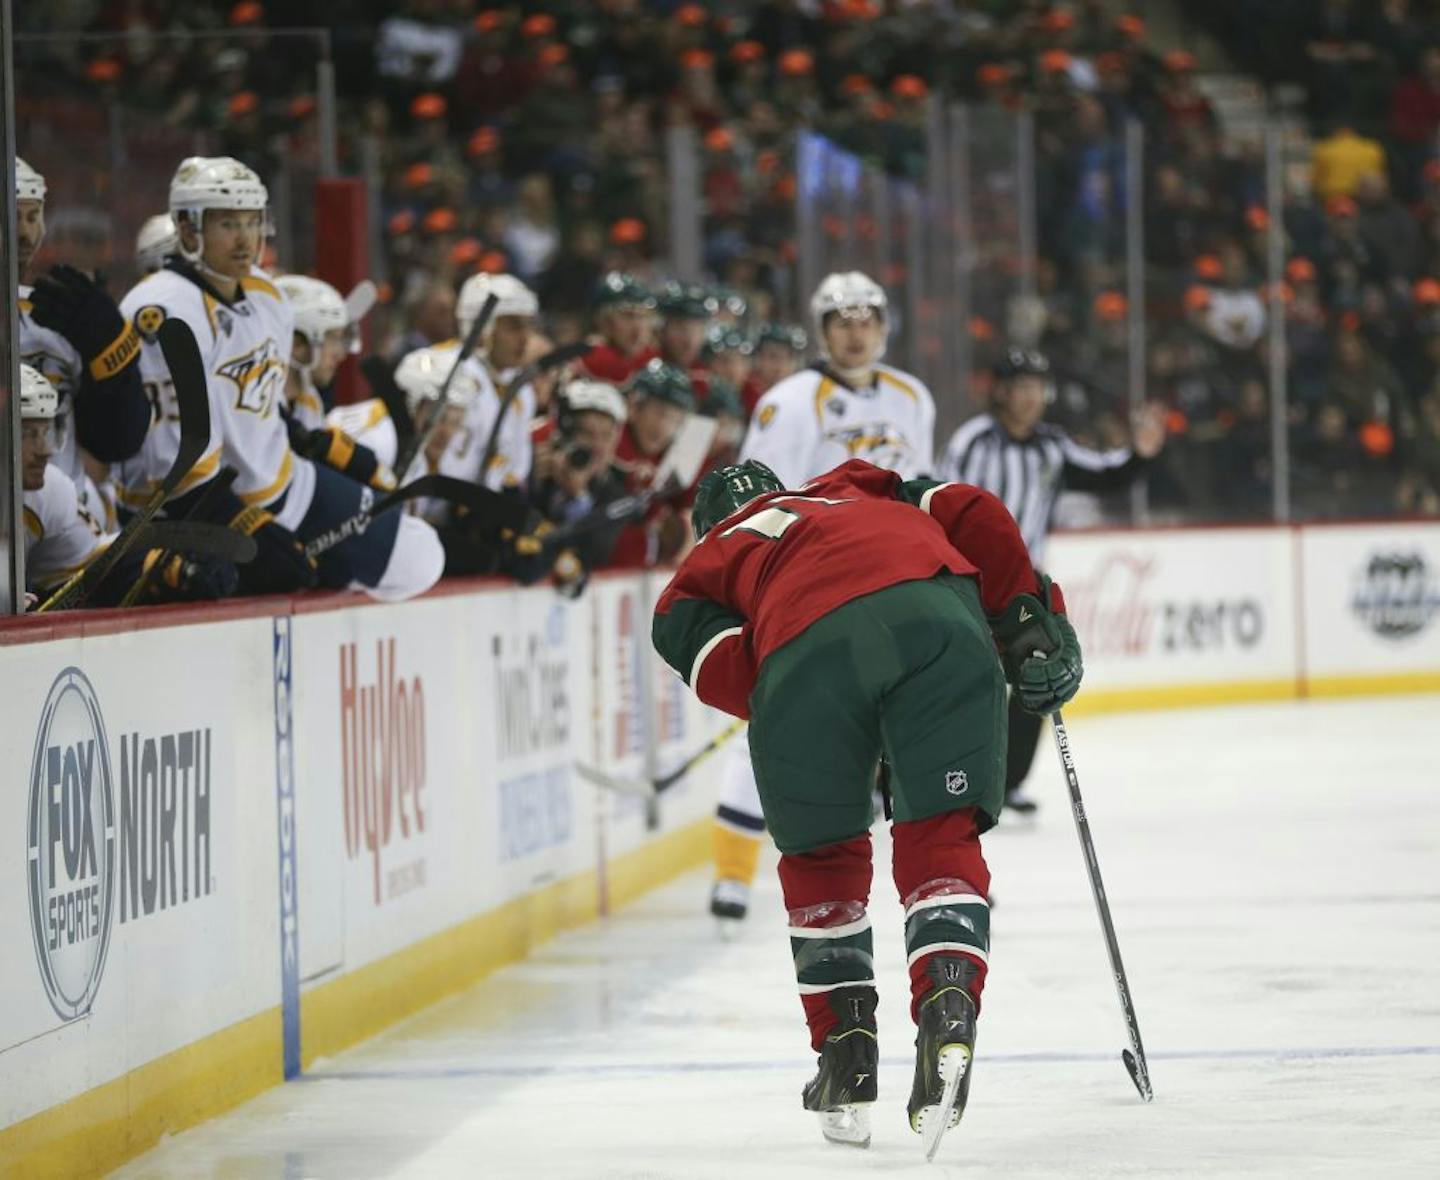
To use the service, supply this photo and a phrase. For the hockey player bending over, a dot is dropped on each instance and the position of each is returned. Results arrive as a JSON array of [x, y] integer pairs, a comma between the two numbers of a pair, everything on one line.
[[244, 328], [846, 406], [854, 619]]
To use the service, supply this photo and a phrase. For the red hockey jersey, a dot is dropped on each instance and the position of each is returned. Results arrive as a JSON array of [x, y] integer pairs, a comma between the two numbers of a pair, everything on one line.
[[774, 566], [605, 362]]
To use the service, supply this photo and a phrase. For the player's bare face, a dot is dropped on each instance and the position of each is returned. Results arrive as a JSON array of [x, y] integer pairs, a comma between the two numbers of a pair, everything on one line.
[[37, 445], [773, 363], [627, 328], [734, 367], [333, 349], [509, 338], [655, 425], [29, 231], [1022, 405], [232, 241], [681, 340], [854, 338]]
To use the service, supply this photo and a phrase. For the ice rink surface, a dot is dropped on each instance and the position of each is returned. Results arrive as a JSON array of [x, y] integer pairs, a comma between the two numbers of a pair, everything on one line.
[[1274, 873]]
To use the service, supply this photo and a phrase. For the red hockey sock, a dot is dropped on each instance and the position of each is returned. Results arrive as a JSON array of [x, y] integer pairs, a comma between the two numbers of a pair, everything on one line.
[[943, 881], [826, 890]]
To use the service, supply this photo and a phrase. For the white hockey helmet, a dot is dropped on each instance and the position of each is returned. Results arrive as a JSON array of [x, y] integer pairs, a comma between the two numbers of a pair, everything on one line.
[[421, 374], [29, 184], [318, 309], [512, 297], [214, 182], [586, 394], [157, 240], [846, 291], [38, 398]]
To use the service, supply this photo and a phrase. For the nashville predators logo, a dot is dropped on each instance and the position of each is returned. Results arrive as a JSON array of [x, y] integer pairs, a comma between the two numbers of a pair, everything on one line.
[[258, 377], [767, 415], [869, 441], [148, 320]]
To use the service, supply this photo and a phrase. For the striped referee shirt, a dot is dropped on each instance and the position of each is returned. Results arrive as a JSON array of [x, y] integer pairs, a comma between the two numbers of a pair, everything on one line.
[[1029, 474]]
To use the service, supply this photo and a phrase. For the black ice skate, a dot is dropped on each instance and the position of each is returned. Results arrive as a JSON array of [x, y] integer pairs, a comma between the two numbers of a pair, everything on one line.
[[1020, 803], [944, 1046], [729, 903], [843, 1088]]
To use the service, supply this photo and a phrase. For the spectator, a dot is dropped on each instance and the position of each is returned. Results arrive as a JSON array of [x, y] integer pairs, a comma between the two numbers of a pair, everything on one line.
[[1341, 159], [532, 234]]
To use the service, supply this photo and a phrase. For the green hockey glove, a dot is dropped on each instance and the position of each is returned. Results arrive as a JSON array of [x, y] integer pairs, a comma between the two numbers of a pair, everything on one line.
[[1039, 651]]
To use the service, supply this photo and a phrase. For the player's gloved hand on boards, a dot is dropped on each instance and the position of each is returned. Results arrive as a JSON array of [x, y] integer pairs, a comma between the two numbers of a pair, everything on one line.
[[280, 565], [192, 579], [333, 447], [68, 301], [1039, 651]]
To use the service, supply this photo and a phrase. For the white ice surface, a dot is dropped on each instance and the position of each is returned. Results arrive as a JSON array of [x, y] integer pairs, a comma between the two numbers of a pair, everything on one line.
[[1275, 878]]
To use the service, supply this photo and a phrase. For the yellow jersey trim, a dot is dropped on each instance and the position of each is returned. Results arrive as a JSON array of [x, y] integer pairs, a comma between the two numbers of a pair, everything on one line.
[[266, 494], [903, 386], [253, 283], [33, 524], [822, 391]]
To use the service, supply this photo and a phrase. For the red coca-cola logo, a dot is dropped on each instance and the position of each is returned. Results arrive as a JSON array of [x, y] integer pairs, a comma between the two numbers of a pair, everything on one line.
[[1108, 608], [382, 758]]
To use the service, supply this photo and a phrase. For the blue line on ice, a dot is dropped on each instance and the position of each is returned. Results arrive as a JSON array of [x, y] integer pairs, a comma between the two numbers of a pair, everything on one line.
[[641, 1069]]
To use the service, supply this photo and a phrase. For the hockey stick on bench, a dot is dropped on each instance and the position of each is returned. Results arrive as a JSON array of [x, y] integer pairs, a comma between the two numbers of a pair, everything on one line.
[[187, 374], [492, 507], [650, 788], [551, 360], [1134, 1057], [472, 340]]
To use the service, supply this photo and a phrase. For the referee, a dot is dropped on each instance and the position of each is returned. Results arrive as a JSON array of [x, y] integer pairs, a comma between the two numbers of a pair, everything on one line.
[[1028, 463]]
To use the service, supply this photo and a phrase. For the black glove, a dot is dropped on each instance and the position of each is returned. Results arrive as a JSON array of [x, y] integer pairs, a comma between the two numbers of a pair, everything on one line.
[[333, 447], [280, 565], [193, 579], [70, 302], [1039, 651]]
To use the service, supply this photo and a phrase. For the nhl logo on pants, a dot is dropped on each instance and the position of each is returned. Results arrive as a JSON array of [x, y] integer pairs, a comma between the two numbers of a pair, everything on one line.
[[956, 782]]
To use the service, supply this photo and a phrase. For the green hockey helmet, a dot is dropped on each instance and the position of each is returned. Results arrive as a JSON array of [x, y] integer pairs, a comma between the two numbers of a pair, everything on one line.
[[723, 491], [725, 338], [665, 383], [618, 289], [790, 336], [686, 301]]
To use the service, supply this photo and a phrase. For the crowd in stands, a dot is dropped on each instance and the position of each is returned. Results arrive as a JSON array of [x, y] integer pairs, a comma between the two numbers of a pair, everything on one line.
[[531, 139]]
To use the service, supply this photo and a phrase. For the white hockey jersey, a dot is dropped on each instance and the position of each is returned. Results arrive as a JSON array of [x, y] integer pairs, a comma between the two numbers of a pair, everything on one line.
[[369, 424], [245, 347], [61, 534], [510, 465], [308, 407], [811, 422]]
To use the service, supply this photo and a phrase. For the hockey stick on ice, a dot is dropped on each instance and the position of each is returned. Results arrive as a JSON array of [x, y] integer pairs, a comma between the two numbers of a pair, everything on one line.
[[650, 788], [504, 512], [187, 374], [467, 346], [1134, 1057]]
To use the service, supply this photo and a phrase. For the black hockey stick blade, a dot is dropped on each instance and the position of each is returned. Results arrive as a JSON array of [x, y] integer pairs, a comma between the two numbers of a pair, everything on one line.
[[197, 538], [192, 395], [1138, 1074]]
